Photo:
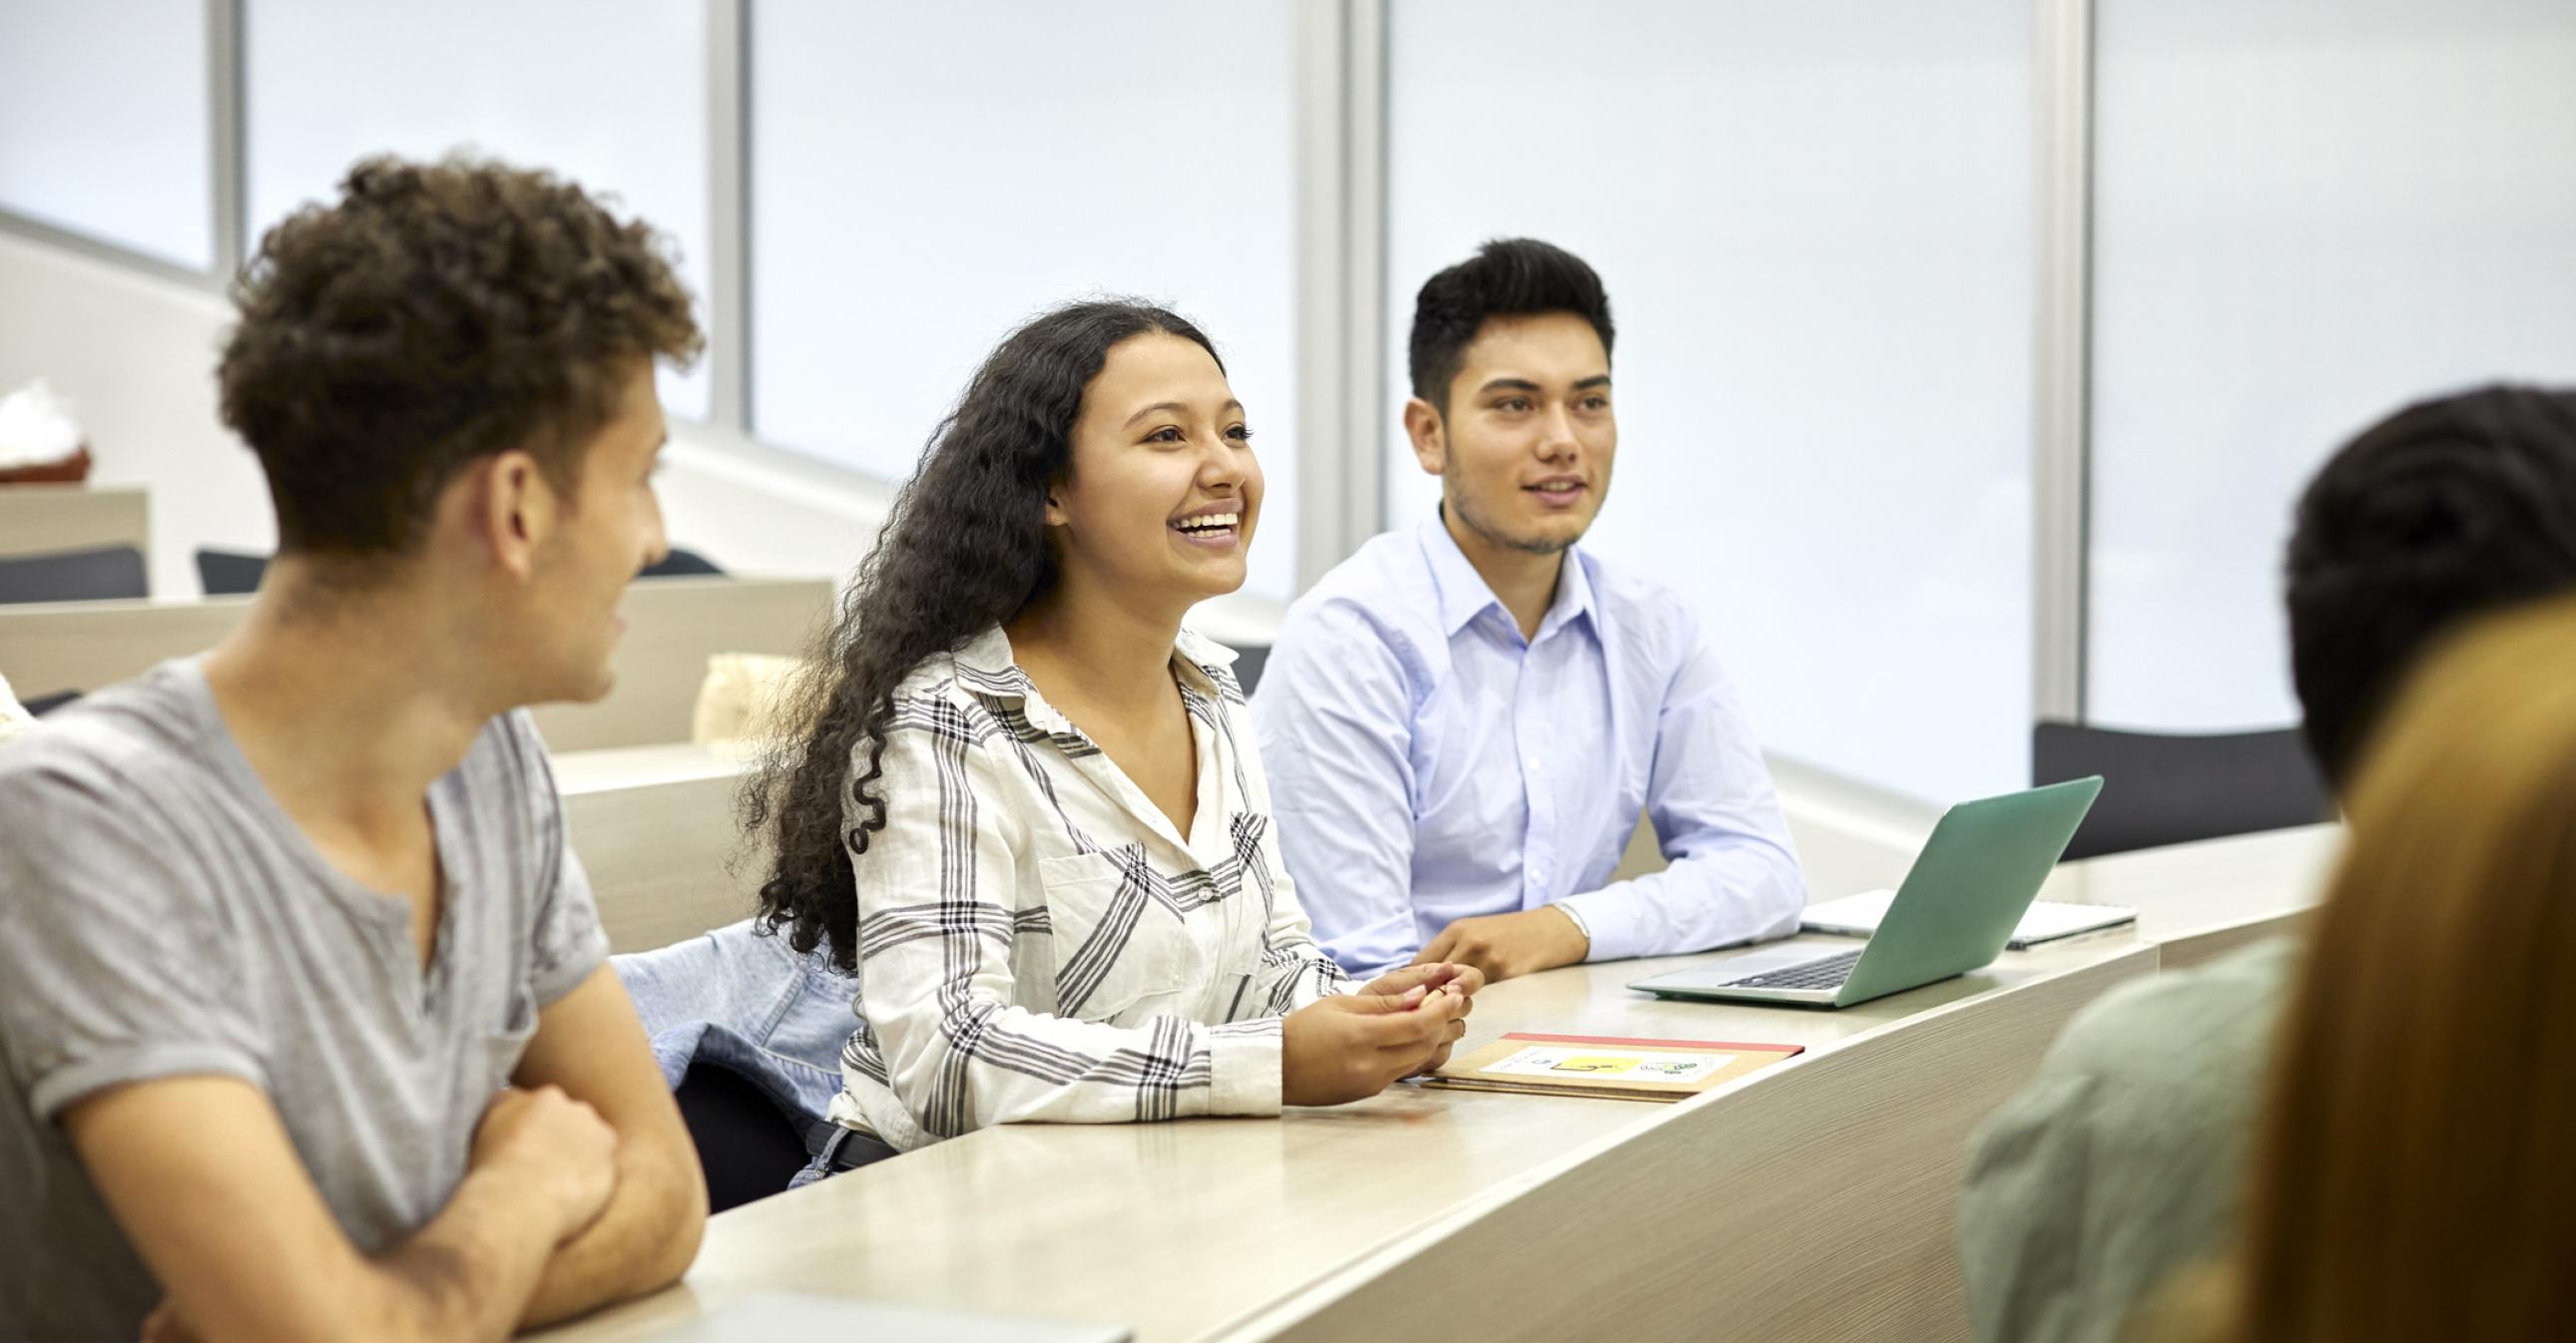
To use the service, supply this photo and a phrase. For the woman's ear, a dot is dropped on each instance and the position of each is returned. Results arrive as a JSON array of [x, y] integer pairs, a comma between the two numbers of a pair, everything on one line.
[[1055, 515]]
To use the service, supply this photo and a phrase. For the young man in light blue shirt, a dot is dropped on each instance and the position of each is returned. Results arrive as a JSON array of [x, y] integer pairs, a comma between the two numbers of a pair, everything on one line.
[[1463, 721]]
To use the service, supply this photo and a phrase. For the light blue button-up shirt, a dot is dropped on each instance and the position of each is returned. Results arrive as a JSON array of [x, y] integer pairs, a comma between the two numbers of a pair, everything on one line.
[[1427, 763]]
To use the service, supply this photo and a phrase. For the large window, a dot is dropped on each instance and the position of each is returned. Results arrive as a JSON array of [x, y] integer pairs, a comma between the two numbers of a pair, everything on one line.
[[926, 176], [1819, 224], [104, 123], [2308, 213], [1815, 227], [609, 93]]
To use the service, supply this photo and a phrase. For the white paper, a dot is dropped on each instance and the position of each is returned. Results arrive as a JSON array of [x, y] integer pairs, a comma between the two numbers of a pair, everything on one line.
[[1859, 916]]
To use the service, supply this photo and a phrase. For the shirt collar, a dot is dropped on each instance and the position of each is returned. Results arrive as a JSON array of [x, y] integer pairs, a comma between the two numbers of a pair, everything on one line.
[[987, 661], [1464, 594], [1200, 657], [1573, 596], [989, 653]]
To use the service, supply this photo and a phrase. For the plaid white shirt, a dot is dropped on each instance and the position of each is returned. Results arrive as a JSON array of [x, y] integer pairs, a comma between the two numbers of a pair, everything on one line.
[[1038, 942]]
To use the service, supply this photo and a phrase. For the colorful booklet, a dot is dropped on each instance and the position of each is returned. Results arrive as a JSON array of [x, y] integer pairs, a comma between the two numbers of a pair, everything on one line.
[[1608, 1067]]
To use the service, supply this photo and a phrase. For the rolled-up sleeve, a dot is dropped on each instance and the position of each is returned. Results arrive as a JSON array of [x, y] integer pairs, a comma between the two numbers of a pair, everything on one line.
[[115, 958]]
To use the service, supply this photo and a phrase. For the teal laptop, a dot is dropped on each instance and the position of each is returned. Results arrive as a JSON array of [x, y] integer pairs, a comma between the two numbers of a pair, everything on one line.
[[1973, 881]]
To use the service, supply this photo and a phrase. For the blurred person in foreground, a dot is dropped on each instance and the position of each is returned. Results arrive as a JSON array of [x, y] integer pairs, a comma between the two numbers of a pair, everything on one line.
[[2121, 1160], [2412, 1175]]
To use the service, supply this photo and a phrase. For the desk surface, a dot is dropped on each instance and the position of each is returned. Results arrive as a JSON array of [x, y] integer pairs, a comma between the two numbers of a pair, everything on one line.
[[654, 827], [608, 768], [1218, 1228], [2196, 901]]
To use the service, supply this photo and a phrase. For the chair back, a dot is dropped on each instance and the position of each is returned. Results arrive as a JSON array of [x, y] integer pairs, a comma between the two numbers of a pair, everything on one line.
[[1248, 660], [229, 573], [682, 564], [99, 573], [2170, 788]]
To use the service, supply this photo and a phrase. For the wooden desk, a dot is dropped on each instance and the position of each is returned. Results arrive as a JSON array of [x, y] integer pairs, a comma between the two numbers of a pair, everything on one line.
[[654, 827], [674, 625], [1812, 1200], [39, 519], [2196, 901], [1422, 1210]]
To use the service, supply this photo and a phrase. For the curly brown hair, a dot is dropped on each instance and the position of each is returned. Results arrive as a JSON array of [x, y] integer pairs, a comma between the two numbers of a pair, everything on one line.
[[439, 313]]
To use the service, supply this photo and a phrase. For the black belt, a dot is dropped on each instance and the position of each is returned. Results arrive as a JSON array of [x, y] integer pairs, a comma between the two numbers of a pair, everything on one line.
[[849, 1149]]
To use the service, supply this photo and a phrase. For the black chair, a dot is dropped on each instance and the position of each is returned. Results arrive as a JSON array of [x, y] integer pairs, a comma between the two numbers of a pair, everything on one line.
[[2163, 788], [227, 573], [682, 564], [106, 573], [1248, 662]]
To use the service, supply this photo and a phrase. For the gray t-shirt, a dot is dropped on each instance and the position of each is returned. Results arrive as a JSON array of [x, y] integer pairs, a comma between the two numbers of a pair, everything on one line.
[[2123, 1160], [161, 916]]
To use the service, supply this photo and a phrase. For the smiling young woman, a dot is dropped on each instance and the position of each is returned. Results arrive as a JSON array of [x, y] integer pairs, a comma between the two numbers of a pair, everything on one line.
[[1026, 803]]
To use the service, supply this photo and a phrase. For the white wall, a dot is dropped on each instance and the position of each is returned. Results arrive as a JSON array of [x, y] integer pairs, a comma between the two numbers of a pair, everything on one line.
[[927, 177], [76, 94], [611, 94], [1814, 223], [136, 354], [2307, 214]]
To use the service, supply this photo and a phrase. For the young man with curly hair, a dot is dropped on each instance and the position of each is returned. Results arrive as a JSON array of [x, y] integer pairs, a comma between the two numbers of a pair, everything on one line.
[[303, 998]]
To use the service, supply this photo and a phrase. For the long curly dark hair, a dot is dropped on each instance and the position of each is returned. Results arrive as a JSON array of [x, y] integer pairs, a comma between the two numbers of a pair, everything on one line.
[[964, 549]]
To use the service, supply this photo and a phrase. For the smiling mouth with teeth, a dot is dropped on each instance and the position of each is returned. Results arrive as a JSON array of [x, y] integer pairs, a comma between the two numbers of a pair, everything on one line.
[[1211, 524]]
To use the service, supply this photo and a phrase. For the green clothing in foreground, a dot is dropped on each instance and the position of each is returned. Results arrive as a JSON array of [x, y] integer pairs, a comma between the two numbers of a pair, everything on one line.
[[2122, 1159]]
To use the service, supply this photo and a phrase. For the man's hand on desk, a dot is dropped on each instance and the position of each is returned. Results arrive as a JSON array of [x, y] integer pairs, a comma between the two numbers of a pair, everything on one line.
[[1504, 945]]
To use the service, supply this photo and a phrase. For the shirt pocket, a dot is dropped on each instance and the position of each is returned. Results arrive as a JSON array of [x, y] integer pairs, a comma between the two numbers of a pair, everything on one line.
[[1120, 954]]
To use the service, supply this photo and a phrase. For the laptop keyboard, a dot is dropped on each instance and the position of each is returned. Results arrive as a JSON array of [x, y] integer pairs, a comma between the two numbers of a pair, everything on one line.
[[1828, 973]]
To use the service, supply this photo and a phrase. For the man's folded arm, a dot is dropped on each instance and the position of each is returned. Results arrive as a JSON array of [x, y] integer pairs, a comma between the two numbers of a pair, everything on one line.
[[590, 1044], [202, 1177]]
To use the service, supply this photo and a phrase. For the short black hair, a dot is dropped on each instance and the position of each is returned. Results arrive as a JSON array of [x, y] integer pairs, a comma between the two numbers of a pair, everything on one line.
[[1508, 277], [2447, 509]]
